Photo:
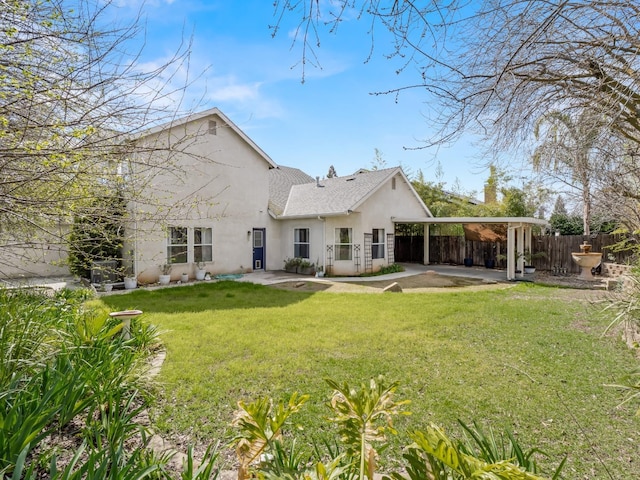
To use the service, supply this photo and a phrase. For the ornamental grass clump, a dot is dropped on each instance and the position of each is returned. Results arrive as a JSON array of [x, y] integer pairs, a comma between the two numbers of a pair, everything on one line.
[[363, 417], [66, 371]]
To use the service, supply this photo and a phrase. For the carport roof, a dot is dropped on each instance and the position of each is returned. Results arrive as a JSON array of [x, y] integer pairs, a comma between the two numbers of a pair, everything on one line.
[[477, 220]]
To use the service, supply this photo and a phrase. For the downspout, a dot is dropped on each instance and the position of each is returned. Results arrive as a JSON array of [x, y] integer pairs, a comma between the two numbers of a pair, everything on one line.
[[324, 242]]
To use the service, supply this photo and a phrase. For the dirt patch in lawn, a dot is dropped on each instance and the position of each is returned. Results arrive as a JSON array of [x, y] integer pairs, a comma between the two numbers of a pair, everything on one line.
[[421, 282], [571, 287]]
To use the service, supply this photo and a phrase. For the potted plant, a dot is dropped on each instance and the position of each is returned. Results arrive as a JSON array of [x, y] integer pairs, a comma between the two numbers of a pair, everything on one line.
[[184, 278], [319, 271], [291, 265], [490, 258], [305, 267], [165, 276], [130, 280], [528, 260], [201, 271]]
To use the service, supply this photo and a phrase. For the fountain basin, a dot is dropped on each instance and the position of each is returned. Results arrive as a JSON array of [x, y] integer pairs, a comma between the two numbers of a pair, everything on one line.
[[587, 261]]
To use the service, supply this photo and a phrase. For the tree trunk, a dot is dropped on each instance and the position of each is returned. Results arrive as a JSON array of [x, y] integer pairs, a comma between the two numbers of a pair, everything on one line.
[[586, 209]]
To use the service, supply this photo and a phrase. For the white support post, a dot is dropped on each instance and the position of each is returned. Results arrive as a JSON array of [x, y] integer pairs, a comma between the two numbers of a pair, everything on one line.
[[511, 246], [426, 244], [520, 250]]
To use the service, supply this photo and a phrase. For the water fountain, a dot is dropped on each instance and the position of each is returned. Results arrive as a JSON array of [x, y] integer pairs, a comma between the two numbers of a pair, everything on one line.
[[586, 259]]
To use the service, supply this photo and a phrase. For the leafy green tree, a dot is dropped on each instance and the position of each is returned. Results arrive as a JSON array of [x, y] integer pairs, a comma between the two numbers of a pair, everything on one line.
[[511, 201], [440, 202], [434, 196], [97, 234], [566, 224], [572, 224], [516, 203], [559, 207]]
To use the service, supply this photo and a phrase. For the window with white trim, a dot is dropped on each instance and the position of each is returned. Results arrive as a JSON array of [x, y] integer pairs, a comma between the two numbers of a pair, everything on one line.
[[177, 245], [343, 244], [301, 242], [377, 243], [202, 244], [186, 245]]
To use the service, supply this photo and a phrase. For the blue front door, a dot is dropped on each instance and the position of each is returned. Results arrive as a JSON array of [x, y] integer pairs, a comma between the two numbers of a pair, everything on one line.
[[258, 248]]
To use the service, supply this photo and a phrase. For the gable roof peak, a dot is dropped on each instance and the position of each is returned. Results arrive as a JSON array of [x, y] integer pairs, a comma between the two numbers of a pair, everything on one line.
[[195, 116], [340, 195]]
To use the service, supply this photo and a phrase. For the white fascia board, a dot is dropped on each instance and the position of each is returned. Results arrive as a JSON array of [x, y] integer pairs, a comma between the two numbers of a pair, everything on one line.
[[314, 215], [458, 220]]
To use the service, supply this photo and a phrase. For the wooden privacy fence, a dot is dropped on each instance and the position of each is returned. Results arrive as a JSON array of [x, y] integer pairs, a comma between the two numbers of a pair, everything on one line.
[[557, 250], [453, 250]]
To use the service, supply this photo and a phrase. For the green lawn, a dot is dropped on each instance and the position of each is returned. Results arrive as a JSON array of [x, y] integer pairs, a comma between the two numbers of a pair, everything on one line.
[[524, 358]]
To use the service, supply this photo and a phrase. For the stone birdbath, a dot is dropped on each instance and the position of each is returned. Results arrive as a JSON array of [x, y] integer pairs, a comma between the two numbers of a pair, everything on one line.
[[586, 259], [126, 316]]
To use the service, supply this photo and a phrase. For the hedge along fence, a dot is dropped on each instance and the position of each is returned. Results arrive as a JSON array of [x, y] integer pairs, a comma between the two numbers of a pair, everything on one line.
[[454, 249]]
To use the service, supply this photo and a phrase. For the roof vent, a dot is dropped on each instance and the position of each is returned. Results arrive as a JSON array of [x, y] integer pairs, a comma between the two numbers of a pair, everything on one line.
[[318, 182]]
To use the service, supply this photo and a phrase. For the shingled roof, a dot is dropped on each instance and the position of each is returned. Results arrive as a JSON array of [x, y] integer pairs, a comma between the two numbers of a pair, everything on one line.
[[337, 195], [281, 179]]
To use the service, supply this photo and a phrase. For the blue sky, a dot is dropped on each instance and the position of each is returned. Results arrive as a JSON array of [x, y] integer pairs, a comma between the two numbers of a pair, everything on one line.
[[330, 119]]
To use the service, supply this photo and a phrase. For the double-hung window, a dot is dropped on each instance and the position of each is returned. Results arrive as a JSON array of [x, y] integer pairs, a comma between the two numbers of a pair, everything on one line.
[[202, 244], [185, 245], [301, 242], [177, 245], [377, 243], [343, 243]]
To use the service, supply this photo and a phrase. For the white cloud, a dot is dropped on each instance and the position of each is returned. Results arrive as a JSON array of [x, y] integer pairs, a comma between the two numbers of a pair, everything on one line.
[[228, 89], [231, 94]]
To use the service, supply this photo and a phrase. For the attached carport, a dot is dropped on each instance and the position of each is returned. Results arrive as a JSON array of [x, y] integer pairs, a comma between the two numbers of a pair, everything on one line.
[[519, 231]]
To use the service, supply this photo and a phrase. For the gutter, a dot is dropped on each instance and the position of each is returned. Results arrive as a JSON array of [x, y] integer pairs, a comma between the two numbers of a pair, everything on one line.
[[313, 215]]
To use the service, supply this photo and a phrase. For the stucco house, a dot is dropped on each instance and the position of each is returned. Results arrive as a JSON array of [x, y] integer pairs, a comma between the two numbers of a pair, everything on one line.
[[226, 204], [346, 223]]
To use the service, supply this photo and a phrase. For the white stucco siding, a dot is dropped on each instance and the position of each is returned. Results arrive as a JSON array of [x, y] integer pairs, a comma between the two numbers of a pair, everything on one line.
[[353, 221], [219, 182], [273, 245], [390, 202], [392, 199], [38, 260], [316, 240]]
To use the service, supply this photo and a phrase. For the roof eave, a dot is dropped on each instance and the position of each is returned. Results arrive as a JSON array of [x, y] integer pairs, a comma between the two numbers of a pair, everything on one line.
[[458, 220], [315, 215]]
